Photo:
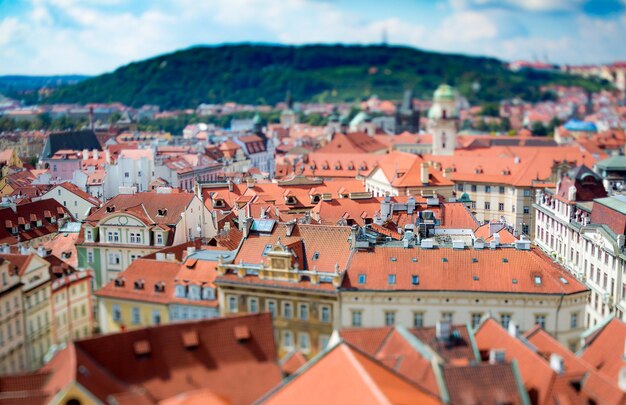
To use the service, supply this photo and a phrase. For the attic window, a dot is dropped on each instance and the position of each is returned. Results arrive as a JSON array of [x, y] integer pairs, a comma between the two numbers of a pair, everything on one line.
[[316, 256], [514, 281], [190, 339], [474, 260], [291, 200], [391, 278], [538, 280], [119, 282], [312, 167], [141, 348], [362, 278], [267, 249], [394, 259], [162, 212], [415, 279], [159, 287], [414, 259], [475, 278], [563, 280], [218, 203], [139, 285], [505, 260], [110, 208], [242, 333], [444, 259]]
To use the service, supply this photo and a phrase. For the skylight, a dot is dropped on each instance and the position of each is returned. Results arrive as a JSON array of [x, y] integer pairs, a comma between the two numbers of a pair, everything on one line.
[[394, 259], [538, 280], [475, 278], [266, 249], [505, 260], [414, 259], [415, 279], [474, 260], [391, 279], [316, 256], [362, 278], [563, 280], [444, 259]]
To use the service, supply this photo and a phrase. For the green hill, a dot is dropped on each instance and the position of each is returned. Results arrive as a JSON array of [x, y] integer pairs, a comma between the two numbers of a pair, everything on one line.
[[264, 73]]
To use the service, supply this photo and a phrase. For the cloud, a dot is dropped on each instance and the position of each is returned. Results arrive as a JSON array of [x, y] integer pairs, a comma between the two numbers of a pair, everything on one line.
[[591, 7]]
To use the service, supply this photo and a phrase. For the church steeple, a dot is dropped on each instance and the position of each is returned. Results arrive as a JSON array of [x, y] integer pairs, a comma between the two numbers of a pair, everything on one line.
[[443, 120]]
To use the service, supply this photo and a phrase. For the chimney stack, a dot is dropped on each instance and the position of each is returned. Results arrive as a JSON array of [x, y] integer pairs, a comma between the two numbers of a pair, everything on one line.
[[621, 379], [556, 363], [424, 175]]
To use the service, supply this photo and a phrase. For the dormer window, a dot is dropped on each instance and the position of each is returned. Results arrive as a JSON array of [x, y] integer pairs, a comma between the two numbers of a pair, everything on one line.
[[119, 282], [110, 208], [218, 203], [159, 287], [208, 293], [312, 167], [162, 212], [291, 200], [89, 235], [139, 285], [180, 291], [159, 238], [194, 292]]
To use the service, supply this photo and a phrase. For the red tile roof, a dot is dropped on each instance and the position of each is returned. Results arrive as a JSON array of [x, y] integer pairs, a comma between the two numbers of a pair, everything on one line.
[[110, 367], [348, 376], [459, 272], [354, 142]]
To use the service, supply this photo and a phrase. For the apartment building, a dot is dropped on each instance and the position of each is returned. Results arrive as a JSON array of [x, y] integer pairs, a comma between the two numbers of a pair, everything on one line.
[[133, 225], [586, 235], [12, 336]]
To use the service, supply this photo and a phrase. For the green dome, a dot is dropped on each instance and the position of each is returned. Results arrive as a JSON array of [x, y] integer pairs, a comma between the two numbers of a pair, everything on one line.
[[444, 93]]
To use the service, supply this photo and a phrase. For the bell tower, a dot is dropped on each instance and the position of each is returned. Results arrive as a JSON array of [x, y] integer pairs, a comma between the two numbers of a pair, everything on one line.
[[443, 121]]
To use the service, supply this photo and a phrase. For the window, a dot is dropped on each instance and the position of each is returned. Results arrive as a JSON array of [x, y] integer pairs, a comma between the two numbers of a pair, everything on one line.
[[487, 189], [459, 187], [303, 342], [418, 319], [362, 278], [537, 280], [136, 318], [390, 318], [287, 310], [232, 304], [156, 317], [303, 312], [473, 187], [391, 278], [325, 314], [267, 249], [526, 192], [415, 279], [487, 205], [505, 319], [541, 321], [113, 236], [114, 258], [501, 189], [476, 317], [159, 238], [89, 235], [271, 307], [573, 321], [253, 305], [357, 318], [526, 209], [446, 317], [500, 206], [126, 174], [287, 338], [316, 256], [323, 341], [525, 229], [135, 237], [139, 173]]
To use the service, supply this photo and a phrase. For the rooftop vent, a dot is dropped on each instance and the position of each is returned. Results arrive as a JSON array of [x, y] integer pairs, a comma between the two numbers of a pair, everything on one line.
[[242, 333], [458, 244], [141, 348], [427, 243]]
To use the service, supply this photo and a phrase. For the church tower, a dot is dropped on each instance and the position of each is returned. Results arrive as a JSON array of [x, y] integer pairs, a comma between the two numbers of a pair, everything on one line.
[[443, 121]]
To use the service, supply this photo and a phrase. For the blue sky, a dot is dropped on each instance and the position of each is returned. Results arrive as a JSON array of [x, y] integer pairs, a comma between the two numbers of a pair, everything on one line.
[[96, 36]]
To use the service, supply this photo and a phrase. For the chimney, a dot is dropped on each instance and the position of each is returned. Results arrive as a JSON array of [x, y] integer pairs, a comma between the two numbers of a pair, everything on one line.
[[190, 250], [443, 330], [385, 209], [95, 153], [247, 224], [230, 185], [410, 205], [424, 176], [290, 226], [496, 356], [85, 154], [512, 329], [171, 257], [621, 379], [556, 363], [353, 234], [160, 256]]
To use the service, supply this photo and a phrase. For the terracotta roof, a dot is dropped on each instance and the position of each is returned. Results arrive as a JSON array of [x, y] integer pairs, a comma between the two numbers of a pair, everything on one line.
[[517, 271], [487, 232], [62, 245], [146, 206], [43, 209], [80, 193], [111, 368], [354, 142], [483, 383], [604, 350], [292, 362], [348, 376]]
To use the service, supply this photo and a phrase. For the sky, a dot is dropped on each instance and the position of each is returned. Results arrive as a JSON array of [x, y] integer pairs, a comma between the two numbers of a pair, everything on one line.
[[43, 37]]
